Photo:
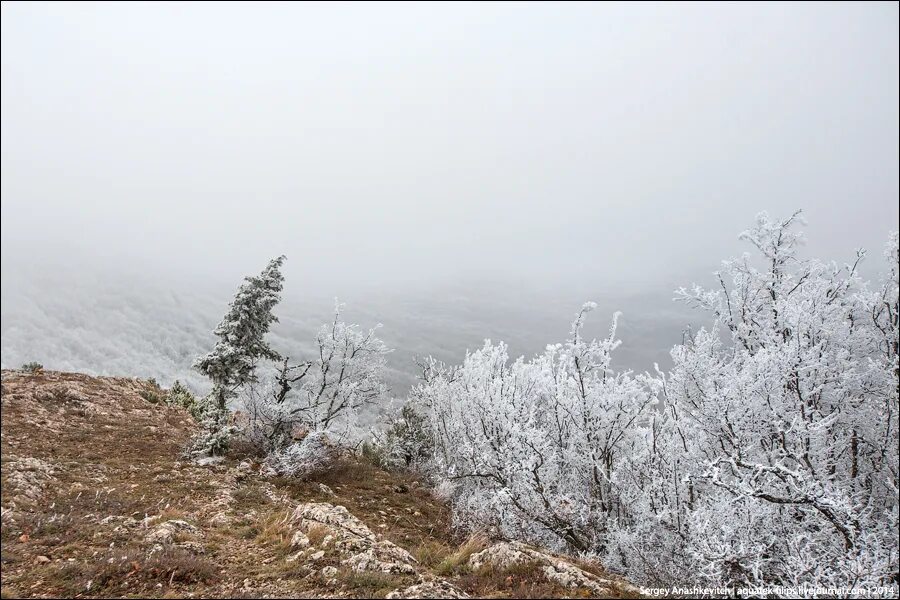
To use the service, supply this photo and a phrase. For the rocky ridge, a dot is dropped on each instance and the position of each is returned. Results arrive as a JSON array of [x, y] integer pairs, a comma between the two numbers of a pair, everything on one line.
[[98, 501]]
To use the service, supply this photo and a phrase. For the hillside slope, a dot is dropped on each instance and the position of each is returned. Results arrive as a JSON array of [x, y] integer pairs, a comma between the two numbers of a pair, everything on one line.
[[97, 501]]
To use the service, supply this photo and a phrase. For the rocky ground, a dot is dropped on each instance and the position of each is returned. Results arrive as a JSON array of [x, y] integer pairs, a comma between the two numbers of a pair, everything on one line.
[[97, 501]]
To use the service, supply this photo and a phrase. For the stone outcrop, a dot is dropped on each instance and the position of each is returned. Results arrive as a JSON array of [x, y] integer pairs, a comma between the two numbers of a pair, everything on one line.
[[435, 588], [351, 537], [505, 555], [168, 532]]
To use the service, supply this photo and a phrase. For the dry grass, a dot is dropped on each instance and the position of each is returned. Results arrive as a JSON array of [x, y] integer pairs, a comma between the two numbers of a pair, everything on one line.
[[316, 534], [431, 553], [369, 584], [171, 566], [249, 497], [129, 571], [168, 514], [457, 562], [525, 580], [274, 531]]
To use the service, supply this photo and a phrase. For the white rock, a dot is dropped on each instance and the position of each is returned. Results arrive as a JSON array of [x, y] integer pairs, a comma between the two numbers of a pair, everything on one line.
[[28, 477], [382, 557], [349, 535], [219, 519], [437, 588], [192, 547], [164, 533], [337, 520]]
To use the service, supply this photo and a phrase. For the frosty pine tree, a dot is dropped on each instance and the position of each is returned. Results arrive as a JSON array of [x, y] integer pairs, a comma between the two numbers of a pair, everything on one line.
[[241, 344]]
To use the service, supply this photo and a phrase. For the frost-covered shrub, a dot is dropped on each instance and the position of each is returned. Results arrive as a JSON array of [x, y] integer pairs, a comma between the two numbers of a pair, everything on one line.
[[215, 432], [444, 490], [406, 443], [182, 397], [324, 393], [536, 447], [313, 455], [150, 396]]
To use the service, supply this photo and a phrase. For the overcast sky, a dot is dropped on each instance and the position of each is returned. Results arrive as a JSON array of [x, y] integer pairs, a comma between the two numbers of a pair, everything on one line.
[[432, 144]]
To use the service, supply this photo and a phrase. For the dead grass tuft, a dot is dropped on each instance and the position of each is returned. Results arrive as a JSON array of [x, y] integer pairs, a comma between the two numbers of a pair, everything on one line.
[[431, 553], [275, 530], [316, 534], [457, 562], [249, 496]]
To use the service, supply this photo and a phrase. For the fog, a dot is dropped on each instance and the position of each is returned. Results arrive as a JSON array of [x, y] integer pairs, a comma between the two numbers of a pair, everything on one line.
[[455, 172]]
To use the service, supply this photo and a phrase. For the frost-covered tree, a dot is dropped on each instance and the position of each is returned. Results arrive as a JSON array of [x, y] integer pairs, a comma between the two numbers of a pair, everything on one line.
[[775, 460], [241, 342], [768, 454], [324, 393], [534, 447]]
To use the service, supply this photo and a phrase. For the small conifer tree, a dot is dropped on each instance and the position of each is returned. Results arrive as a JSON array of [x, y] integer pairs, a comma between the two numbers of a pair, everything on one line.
[[240, 346]]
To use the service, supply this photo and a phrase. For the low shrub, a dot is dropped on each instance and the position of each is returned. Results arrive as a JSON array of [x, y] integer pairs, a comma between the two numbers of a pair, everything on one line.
[[182, 397], [313, 455]]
